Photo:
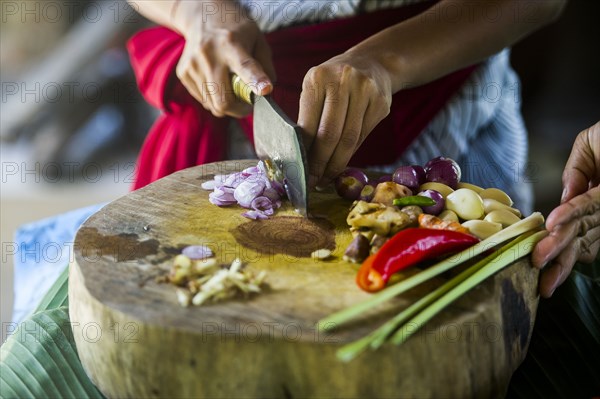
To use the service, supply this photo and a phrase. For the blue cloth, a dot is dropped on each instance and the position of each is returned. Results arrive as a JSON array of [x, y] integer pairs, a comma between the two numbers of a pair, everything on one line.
[[43, 251]]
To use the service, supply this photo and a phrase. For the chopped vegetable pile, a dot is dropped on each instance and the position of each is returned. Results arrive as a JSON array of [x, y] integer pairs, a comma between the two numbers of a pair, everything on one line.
[[200, 278], [420, 214], [258, 188], [430, 197]]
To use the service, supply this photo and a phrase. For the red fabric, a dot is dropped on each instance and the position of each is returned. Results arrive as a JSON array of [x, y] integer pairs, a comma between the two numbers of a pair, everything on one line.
[[187, 135]]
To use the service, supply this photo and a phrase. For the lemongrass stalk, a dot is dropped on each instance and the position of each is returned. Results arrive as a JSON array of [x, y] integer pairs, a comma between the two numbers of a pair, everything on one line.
[[335, 320], [349, 351], [376, 338], [504, 259]]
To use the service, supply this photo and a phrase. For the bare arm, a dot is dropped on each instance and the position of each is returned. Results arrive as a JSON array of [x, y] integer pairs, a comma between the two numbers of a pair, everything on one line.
[[454, 34]]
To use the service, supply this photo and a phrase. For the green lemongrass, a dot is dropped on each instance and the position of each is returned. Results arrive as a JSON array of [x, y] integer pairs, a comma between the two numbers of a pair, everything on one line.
[[504, 259], [335, 320], [349, 351], [376, 338]]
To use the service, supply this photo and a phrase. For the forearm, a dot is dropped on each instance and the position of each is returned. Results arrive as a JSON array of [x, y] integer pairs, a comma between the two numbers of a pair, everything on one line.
[[454, 34], [178, 14]]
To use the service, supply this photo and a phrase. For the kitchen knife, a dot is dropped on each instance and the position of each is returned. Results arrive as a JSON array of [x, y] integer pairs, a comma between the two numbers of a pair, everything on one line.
[[279, 140]]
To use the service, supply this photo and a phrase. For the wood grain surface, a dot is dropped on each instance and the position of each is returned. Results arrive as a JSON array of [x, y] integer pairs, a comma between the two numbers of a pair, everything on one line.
[[134, 340]]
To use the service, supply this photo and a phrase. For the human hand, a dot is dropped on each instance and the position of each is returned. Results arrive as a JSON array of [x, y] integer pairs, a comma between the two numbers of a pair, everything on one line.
[[342, 100], [574, 226], [218, 44]]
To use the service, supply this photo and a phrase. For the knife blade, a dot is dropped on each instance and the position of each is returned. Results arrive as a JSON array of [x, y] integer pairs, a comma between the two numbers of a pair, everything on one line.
[[279, 140]]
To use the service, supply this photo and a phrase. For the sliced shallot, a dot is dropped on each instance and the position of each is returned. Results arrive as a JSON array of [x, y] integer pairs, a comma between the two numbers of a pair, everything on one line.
[[251, 188]]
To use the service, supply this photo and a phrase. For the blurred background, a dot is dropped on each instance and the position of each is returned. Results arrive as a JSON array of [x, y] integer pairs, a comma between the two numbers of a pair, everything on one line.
[[72, 121]]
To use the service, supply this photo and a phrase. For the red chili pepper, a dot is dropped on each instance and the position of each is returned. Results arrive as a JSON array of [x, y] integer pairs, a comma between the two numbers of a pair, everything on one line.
[[368, 279], [408, 248]]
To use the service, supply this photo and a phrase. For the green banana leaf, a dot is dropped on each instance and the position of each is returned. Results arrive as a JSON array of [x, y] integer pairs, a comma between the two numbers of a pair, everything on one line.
[[57, 295], [39, 360]]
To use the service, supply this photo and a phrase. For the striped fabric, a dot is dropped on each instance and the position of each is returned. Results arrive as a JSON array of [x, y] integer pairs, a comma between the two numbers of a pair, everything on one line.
[[271, 15], [483, 130]]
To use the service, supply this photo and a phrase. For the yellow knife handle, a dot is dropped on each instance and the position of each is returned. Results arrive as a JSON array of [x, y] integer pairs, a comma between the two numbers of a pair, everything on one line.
[[241, 89]]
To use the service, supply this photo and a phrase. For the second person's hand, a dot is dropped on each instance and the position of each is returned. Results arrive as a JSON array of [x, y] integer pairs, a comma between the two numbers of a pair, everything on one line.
[[217, 44], [342, 100], [574, 226]]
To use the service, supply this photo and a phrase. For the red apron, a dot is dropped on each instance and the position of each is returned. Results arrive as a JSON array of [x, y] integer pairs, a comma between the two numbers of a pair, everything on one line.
[[186, 135]]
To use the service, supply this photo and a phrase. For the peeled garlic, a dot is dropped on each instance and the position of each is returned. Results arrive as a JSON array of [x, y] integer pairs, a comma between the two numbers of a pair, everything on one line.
[[505, 218], [322, 253], [467, 204], [482, 229], [497, 194], [470, 186], [490, 205]]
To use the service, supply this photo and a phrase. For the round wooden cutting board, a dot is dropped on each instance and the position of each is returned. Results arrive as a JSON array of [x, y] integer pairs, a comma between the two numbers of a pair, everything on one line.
[[135, 340]]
